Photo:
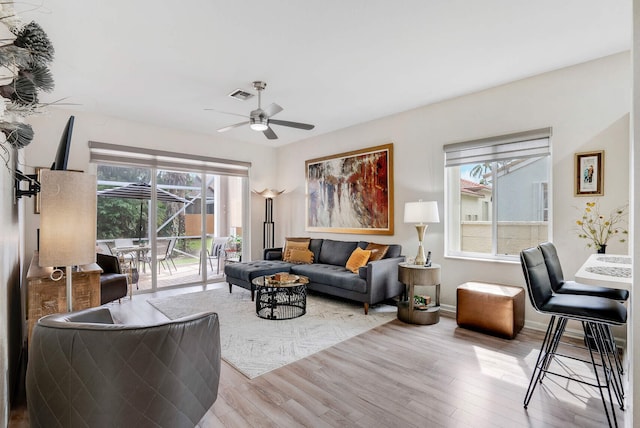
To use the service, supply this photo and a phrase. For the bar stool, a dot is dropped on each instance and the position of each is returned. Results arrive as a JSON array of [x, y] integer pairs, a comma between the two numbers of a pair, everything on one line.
[[560, 286], [594, 314]]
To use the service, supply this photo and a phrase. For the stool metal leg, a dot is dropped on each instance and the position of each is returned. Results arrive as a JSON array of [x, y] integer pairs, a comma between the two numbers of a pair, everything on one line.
[[614, 347], [613, 373], [590, 327], [541, 362], [562, 324]]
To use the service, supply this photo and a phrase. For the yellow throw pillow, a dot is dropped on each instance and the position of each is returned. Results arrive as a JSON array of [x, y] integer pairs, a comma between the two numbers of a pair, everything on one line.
[[300, 256], [291, 243], [358, 258], [378, 251]]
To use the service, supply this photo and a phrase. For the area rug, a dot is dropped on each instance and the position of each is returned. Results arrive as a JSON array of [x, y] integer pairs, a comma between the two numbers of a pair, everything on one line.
[[256, 346]]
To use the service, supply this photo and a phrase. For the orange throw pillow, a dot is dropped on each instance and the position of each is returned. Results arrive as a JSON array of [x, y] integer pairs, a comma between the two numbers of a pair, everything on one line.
[[358, 258], [291, 243], [378, 251], [300, 256]]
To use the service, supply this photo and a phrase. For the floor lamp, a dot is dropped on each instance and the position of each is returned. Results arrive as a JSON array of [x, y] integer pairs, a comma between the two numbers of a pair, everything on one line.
[[268, 226], [67, 222]]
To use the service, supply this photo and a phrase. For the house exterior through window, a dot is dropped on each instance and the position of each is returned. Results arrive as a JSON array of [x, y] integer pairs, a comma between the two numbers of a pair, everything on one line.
[[497, 195]]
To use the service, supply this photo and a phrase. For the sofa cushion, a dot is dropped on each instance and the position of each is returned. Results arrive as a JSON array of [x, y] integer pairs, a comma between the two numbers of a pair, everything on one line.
[[336, 252], [315, 245], [248, 271], [378, 251], [337, 276], [300, 256], [291, 243], [393, 251], [358, 258]]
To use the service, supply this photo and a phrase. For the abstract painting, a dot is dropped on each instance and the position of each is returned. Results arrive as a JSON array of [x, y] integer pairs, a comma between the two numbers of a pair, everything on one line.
[[351, 192]]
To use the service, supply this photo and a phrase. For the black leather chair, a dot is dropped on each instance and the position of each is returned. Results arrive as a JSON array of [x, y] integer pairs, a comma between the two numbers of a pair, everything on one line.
[[559, 285], [113, 283], [594, 314], [86, 371]]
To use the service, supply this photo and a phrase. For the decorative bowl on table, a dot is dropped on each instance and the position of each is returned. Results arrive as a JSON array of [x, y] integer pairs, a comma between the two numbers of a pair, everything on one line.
[[282, 278]]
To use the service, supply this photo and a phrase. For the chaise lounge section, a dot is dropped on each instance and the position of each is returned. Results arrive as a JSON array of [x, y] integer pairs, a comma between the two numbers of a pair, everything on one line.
[[374, 282]]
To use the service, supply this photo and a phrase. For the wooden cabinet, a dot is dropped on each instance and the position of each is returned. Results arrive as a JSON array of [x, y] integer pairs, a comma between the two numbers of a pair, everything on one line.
[[46, 296]]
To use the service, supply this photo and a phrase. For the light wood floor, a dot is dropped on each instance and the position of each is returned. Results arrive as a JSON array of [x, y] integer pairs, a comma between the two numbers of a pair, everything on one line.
[[396, 375]]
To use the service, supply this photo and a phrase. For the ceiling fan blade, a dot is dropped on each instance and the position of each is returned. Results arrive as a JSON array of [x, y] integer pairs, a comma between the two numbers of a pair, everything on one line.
[[226, 128], [225, 112], [292, 124], [270, 134], [272, 109]]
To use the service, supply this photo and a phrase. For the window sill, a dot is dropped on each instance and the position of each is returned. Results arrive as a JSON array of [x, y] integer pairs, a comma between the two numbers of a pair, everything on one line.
[[514, 260]]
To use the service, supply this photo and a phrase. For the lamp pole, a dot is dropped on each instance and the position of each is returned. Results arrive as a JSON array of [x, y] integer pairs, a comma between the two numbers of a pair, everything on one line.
[[268, 226]]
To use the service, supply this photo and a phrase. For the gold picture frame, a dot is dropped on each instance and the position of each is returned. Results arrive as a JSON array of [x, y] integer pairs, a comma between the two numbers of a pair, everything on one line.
[[589, 173], [351, 192]]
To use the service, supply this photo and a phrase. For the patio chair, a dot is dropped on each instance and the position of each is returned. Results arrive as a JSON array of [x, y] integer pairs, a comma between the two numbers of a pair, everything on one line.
[[165, 253], [104, 248], [130, 257], [216, 252]]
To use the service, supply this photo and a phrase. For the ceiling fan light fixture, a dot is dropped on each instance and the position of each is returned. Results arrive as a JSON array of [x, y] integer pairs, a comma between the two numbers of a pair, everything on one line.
[[259, 124]]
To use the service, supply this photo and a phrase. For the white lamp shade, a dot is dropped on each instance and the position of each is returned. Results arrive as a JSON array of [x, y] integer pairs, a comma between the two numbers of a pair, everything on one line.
[[421, 212], [269, 193], [67, 218]]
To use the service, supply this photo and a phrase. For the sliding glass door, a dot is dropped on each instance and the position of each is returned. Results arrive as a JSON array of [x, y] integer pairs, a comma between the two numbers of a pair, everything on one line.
[[163, 223]]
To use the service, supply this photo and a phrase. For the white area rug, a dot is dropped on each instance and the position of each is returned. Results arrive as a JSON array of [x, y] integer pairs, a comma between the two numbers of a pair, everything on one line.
[[256, 346]]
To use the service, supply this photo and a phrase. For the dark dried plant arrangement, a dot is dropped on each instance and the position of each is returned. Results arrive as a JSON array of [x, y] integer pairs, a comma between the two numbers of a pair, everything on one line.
[[26, 56]]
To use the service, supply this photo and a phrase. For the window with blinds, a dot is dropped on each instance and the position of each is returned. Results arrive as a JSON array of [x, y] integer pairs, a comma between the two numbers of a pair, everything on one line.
[[497, 194]]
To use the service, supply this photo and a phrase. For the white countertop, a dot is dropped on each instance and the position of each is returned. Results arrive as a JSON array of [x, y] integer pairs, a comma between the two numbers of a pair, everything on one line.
[[607, 270]]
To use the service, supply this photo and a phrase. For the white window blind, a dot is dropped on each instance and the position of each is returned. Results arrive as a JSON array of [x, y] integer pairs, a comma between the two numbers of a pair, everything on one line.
[[512, 146], [135, 156]]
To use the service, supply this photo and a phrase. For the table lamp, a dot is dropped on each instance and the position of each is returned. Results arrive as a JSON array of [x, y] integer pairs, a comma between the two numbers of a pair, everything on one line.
[[67, 222], [421, 212]]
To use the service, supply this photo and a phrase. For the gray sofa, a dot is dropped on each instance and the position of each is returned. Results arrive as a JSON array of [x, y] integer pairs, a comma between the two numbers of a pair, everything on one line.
[[375, 282]]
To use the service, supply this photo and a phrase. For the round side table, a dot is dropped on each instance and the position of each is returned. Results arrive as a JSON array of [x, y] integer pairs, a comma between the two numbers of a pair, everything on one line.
[[411, 275]]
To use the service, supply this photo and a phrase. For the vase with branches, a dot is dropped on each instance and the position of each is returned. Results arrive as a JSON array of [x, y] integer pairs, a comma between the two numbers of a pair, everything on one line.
[[597, 229]]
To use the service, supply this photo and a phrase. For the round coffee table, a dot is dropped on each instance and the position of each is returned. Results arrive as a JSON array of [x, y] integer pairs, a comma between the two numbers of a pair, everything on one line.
[[281, 300]]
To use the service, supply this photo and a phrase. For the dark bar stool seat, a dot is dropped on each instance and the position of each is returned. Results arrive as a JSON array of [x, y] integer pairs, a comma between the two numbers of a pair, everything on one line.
[[594, 313], [560, 286]]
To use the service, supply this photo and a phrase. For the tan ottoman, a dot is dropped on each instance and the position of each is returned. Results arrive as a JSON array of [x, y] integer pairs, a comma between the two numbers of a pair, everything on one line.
[[490, 308]]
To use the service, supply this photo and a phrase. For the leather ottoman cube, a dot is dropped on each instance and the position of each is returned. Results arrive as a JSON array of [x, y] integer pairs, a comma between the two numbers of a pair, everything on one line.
[[490, 308]]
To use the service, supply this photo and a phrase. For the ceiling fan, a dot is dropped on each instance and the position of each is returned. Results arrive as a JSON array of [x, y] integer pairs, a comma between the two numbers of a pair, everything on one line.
[[260, 118]]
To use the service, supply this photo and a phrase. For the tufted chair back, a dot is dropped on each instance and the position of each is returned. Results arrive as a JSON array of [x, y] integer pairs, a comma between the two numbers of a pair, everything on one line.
[[86, 371]]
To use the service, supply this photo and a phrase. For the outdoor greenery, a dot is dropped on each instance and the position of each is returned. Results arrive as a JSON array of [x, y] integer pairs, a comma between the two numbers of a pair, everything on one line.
[[128, 218]]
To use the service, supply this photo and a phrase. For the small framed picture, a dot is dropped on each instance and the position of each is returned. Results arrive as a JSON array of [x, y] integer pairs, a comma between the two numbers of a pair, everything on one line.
[[589, 173]]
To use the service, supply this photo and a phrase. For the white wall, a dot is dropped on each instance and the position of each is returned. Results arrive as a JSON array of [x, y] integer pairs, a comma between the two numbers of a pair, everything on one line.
[[10, 316], [88, 127], [588, 107]]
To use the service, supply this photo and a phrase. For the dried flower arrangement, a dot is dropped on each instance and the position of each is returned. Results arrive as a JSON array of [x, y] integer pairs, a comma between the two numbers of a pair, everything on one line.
[[24, 57], [597, 229]]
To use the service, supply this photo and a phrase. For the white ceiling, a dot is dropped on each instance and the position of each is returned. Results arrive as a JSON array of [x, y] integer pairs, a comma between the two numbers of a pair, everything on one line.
[[333, 63]]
